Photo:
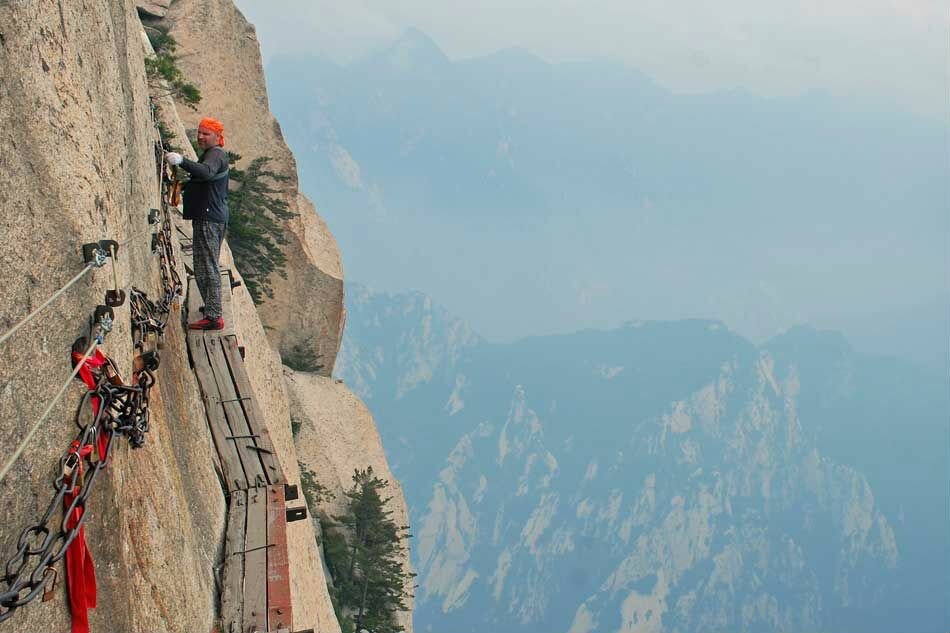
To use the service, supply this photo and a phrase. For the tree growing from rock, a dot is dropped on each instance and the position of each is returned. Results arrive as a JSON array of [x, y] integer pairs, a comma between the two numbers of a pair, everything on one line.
[[164, 68], [370, 584], [254, 231]]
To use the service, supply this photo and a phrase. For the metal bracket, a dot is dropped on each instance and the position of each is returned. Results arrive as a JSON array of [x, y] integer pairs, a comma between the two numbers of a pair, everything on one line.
[[240, 437], [104, 317], [153, 216], [290, 492], [96, 253], [115, 298], [296, 514]]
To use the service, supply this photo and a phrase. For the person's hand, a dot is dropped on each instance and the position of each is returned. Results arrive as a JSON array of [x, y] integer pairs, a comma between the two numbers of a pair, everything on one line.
[[173, 158]]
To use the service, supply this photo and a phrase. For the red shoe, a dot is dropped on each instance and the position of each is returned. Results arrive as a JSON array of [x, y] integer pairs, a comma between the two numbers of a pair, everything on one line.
[[207, 324]]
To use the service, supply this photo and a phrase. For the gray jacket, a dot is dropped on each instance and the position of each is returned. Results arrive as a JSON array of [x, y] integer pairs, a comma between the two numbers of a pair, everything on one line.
[[206, 194]]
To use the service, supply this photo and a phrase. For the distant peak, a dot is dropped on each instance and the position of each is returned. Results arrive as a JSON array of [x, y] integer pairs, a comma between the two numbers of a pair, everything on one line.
[[802, 337], [414, 50], [518, 55]]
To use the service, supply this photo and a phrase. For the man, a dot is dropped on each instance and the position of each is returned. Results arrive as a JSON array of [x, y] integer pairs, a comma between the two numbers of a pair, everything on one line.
[[206, 204]]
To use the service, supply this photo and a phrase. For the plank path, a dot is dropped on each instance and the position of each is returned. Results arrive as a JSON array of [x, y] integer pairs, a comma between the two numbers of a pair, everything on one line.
[[255, 584]]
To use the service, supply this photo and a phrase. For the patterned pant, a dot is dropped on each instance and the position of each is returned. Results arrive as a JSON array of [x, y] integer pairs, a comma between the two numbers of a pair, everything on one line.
[[206, 247]]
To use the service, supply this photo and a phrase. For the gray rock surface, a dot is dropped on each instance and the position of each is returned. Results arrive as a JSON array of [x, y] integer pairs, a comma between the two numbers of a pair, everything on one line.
[[77, 166]]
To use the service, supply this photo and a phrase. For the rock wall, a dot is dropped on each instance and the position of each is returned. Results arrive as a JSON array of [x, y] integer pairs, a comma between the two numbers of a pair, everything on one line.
[[305, 316], [306, 313], [77, 166]]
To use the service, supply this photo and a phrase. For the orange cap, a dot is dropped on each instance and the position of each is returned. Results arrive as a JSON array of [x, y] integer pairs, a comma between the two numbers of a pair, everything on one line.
[[215, 126]]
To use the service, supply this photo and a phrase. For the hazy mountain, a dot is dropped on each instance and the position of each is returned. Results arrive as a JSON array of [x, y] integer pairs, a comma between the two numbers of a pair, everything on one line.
[[536, 198], [659, 476]]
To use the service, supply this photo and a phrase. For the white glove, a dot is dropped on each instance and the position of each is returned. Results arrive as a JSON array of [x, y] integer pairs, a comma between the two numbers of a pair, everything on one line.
[[173, 158]]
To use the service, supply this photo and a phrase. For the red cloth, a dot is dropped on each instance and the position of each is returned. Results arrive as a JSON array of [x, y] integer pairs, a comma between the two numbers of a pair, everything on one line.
[[80, 570]]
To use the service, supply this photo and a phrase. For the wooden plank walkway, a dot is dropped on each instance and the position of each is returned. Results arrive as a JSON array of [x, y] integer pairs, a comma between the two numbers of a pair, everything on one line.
[[255, 586]]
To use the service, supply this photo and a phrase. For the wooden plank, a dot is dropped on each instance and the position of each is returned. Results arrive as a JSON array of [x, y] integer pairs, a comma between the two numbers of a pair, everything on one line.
[[227, 310], [279, 613], [234, 476], [252, 412], [231, 406], [232, 584], [255, 562]]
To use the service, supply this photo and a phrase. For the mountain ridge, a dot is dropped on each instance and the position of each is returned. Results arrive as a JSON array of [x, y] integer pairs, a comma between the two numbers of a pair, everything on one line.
[[533, 446], [561, 194]]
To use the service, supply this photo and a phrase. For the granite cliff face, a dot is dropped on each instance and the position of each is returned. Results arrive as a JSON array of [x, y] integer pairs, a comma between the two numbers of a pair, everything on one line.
[[78, 166], [305, 316], [659, 477]]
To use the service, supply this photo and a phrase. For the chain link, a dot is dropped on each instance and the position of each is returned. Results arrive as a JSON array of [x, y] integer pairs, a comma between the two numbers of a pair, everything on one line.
[[41, 546], [122, 409]]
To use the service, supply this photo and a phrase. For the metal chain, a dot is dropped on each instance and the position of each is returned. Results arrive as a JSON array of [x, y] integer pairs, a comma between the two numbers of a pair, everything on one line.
[[122, 409], [42, 545]]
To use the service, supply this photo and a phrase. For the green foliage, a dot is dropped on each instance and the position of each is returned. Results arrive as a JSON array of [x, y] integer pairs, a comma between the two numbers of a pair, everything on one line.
[[254, 232], [303, 357], [313, 491], [335, 553], [333, 541], [162, 42], [164, 67], [364, 549]]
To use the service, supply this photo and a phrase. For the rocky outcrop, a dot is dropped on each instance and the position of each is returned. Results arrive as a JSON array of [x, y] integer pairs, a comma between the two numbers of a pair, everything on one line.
[[335, 435], [304, 319], [656, 477], [78, 166], [426, 341]]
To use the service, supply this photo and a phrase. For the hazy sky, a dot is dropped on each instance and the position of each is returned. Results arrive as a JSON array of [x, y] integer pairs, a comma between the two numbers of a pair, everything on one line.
[[896, 50]]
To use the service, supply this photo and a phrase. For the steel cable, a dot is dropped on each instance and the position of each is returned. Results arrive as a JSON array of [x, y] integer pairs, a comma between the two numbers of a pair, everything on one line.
[[29, 436], [56, 295]]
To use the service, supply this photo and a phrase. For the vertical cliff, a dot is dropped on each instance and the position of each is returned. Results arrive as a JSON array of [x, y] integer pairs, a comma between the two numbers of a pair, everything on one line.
[[221, 55], [77, 163]]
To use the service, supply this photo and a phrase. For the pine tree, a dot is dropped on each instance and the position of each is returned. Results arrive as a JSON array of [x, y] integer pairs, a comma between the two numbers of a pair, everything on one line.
[[370, 584], [254, 232]]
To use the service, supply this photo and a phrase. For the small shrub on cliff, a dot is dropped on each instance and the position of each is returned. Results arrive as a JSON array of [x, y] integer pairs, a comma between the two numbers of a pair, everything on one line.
[[164, 67], [302, 357], [254, 233]]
